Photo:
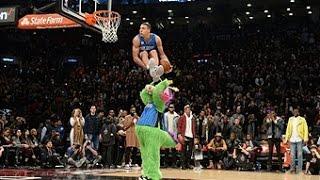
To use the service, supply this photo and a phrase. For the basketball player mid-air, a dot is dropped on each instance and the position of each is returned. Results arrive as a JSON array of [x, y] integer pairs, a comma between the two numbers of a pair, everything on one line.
[[145, 49]]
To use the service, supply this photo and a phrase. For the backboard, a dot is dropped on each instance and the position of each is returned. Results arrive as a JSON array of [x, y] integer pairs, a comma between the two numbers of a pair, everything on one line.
[[76, 9]]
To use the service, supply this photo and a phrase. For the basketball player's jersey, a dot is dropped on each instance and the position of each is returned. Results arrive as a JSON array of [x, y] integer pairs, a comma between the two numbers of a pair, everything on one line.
[[148, 45]]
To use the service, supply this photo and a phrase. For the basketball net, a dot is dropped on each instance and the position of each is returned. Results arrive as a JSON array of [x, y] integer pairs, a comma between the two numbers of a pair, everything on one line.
[[108, 21]]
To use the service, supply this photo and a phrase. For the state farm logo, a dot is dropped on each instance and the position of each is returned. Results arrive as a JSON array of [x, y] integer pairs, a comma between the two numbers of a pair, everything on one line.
[[25, 22], [46, 20]]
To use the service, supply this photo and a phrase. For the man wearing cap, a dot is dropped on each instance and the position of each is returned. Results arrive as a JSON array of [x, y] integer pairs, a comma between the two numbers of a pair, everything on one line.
[[218, 149]]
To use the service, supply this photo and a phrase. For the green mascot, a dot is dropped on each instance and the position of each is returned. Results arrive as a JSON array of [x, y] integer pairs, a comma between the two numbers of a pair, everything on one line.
[[150, 136]]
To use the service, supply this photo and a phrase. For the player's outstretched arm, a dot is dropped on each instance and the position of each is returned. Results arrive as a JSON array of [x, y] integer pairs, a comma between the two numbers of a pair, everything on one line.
[[135, 52]]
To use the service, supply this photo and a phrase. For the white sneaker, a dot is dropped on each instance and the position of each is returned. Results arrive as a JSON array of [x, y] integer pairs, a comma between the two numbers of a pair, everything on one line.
[[159, 71], [127, 167], [152, 67]]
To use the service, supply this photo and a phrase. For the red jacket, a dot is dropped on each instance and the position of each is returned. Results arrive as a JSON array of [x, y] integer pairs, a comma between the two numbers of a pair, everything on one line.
[[182, 125]]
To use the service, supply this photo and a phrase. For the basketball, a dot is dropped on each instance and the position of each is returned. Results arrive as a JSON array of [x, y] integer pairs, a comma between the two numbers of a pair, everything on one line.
[[166, 65], [90, 19]]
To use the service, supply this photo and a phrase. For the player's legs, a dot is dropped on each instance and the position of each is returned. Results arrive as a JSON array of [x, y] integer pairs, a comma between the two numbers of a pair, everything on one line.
[[145, 58], [156, 70], [154, 54]]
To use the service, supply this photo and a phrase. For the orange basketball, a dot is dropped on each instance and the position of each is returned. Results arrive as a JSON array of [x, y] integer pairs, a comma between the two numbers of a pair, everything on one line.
[[90, 19], [166, 65]]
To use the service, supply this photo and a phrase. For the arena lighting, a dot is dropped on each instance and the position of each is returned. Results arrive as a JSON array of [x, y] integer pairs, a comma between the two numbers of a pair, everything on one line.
[[127, 19], [131, 23], [249, 5], [186, 17], [308, 7], [72, 60], [247, 13], [209, 8], [143, 18], [291, 14], [269, 16], [172, 22], [169, 17], [266, 11], [288, 9], [251, 17], [292, 1], [7, 59], [170, 11], [134, 12], [309, 12]]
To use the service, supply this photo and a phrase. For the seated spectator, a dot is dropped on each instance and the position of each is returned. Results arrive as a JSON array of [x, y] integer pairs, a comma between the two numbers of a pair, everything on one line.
[[7, 144], [19, 145], [313, 161], [76, 155], [57, 142], [29, 152], [250, 148], [232, 144], [217, 148], [91, 155], [49, 157]]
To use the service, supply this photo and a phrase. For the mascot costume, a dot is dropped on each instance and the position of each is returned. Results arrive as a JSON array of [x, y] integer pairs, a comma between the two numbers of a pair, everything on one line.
[[150, 136]]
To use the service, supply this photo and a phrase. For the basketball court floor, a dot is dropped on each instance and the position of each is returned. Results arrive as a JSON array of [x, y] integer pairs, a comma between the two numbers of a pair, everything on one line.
[[121, 174]]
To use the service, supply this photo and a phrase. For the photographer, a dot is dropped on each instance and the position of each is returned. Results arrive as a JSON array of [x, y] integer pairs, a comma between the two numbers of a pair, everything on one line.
[[76, 155], [313, 161], [91, 155]]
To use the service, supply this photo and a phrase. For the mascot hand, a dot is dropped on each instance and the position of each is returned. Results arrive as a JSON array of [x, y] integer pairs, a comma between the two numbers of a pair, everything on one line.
[[175, 89], [170, 82]]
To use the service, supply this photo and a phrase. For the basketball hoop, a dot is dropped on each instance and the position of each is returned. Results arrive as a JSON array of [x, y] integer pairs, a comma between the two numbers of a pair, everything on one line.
[[109, 22]]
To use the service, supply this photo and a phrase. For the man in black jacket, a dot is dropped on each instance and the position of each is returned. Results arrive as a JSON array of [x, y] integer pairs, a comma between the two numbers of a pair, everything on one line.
[[91, 127], [108, 140], [275, 126], [49, 157]]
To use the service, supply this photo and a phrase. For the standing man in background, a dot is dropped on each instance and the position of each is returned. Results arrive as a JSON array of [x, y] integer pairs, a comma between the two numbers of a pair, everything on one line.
[[297, 134]]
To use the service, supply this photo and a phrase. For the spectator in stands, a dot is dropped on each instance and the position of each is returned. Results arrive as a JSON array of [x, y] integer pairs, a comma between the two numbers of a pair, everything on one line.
[[7, 144], [91, 127], [120, 139], [186, 133], [76, 155], [218, 150], [132, 142], [225, 127], [49, 157], [77, 123], [250, 148], [275, 128], [197, 154], [296, 134], [170, 125], [29, 154], [91, 155], [19, 145], [232, 144], [238, 115], [237, 129], [108, 140], [313, 161]]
